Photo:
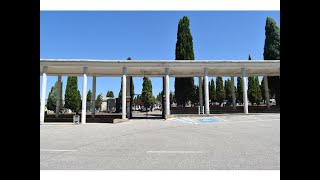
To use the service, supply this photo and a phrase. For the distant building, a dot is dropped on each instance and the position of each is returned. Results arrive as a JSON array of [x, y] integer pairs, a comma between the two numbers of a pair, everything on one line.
[[108, 104]]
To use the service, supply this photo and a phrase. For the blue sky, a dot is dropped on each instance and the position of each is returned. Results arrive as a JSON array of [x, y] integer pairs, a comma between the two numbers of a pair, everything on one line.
[[148, 35]]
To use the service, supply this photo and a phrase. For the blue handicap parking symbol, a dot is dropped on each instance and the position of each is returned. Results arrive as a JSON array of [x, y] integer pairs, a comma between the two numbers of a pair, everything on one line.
[[207, 120]]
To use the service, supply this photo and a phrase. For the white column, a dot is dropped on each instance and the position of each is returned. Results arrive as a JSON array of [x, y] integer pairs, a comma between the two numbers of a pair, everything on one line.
[[200, 94], [124, 93], [206, 91], [266, 90], [58, 97], [233, 93], [167, 92], [245, 93], [43, 93], [84, 96], [93, 97]]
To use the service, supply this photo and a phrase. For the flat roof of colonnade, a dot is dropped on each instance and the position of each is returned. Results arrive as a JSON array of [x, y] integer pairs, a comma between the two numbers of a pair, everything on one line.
[[156, 68]]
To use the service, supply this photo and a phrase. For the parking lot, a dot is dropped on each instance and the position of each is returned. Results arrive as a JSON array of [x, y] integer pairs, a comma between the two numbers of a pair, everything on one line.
[[222, 142]]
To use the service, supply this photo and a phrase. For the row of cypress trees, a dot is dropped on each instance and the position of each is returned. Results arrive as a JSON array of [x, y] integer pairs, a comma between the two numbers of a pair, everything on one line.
[[185, 88]]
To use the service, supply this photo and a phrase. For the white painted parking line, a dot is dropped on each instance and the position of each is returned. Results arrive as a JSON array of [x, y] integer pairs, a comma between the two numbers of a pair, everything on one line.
[[56, 150], [176, 152]]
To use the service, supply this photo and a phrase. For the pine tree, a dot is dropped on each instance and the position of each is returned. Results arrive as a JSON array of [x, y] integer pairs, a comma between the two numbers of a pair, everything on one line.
[[220, 93], [184, 87], [239, 90], [272, 52]]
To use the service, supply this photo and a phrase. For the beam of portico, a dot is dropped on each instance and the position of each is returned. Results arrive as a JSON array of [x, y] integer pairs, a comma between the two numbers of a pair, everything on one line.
[[155, 68], [159, 75]]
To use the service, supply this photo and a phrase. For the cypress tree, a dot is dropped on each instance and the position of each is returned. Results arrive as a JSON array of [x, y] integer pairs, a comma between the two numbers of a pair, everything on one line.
[[263, 95], [184, 87], [72, 94], [89, 95], [227, 87], [99, 101], [212, 91], [79, 100], [209, 87], [254, 91], [110, 94], [52, 97], [251, 88], [50, 101], [257, 97], [159, 96], [131, 84], [220, 90], [195, 95], [239, 90], [146, 95], [272, 52]]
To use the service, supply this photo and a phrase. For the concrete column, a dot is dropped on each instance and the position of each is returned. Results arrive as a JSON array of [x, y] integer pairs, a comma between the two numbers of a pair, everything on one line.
[[200, 94], [43, 94], [84, 96], [266, 90], [163, 97], [233, 93], [93, 97], [128, 99], [245, 93], [124, 93], [206, 91], [167, 92], [58, 97]]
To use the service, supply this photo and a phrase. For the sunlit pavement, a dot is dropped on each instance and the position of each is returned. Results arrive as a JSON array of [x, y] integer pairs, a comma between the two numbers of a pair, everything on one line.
[[229, 141]]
